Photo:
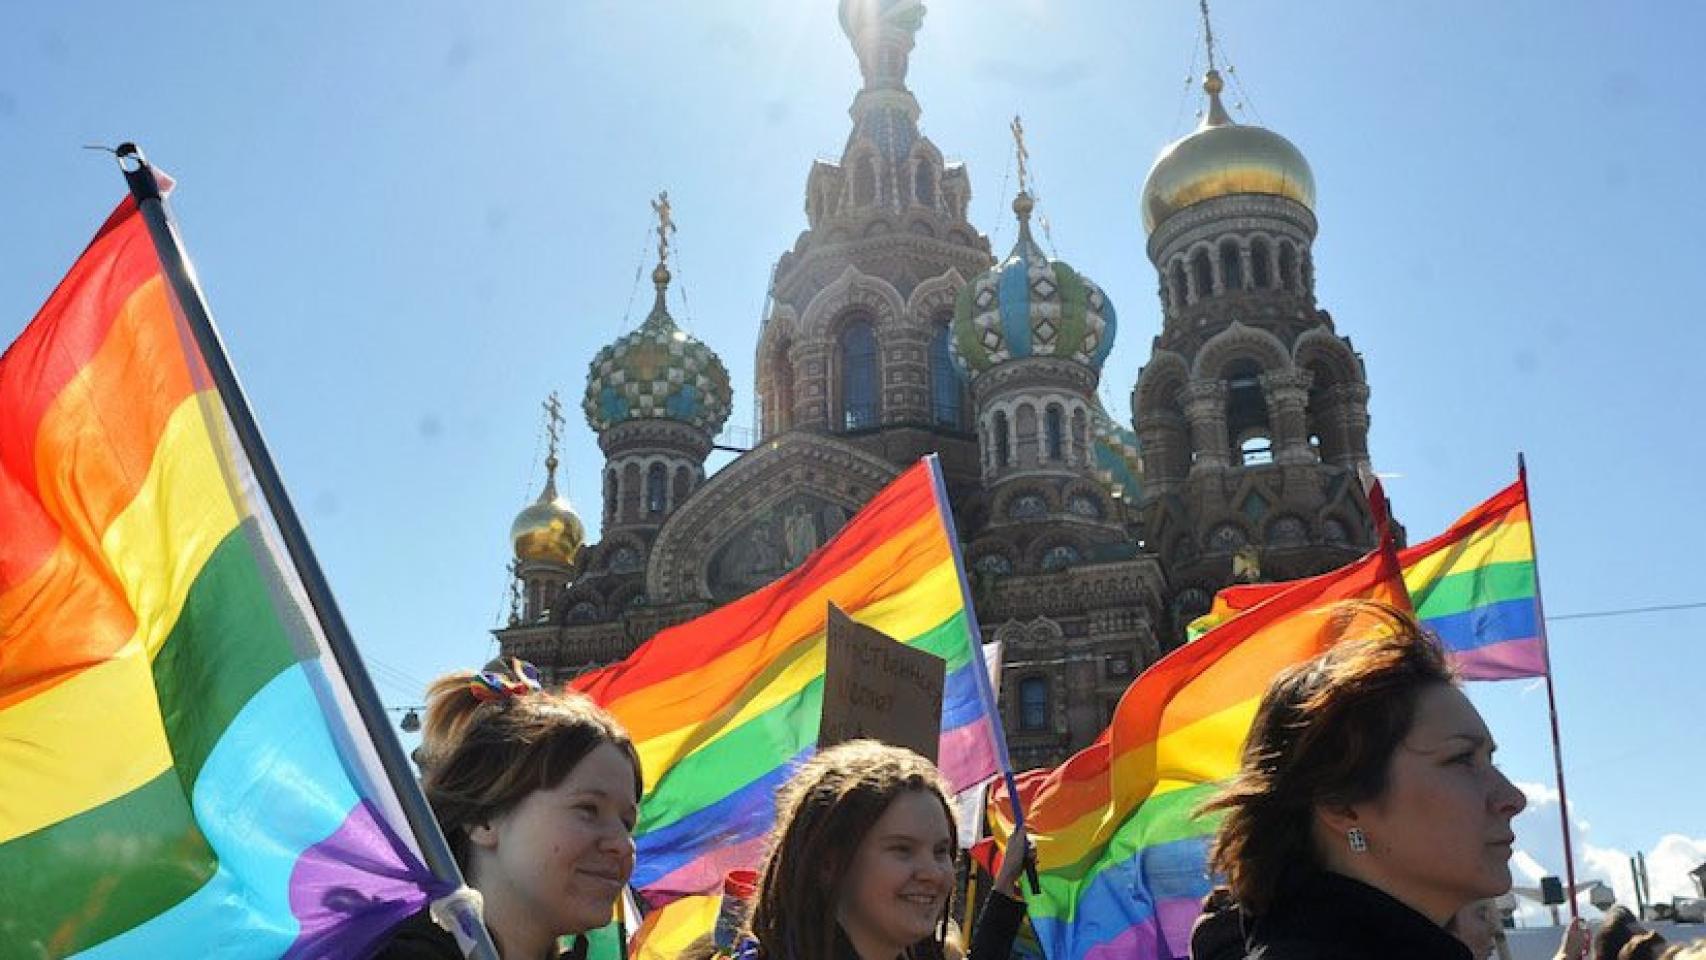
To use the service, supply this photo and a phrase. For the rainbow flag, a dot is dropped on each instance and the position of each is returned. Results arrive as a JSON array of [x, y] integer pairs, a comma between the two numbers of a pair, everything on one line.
[[183, 771], [1122, 856], [1474, 586], [723, 708]]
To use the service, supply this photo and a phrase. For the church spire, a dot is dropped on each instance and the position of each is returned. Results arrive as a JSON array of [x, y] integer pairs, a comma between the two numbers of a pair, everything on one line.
[[660, 273], [1211, 82]]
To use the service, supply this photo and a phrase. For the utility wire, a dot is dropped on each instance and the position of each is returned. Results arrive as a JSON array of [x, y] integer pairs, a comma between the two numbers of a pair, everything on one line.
[[1627, 611]]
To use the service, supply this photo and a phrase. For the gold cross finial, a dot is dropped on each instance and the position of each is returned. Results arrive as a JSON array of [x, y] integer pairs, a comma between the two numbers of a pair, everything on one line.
[[666, 224], [1208, 33], [1019, 150], [553, 426]]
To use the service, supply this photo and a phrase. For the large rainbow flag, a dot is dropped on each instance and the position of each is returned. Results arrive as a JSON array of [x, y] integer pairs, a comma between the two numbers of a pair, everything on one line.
[[723, 708], [1122, 856], [183, 773], [1474, 586]]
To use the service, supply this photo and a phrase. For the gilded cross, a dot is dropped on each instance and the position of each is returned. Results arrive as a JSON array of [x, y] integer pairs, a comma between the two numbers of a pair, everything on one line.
[[666, 224], [1023, 154], [553, 422]]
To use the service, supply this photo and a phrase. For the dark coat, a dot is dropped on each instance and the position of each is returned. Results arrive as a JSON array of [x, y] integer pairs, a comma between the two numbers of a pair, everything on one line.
[[1325, 916], [419, 938]]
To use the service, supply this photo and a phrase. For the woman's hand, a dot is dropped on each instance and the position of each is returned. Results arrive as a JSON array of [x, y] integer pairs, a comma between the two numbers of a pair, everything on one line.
[[1575, 944], [1013, 863]]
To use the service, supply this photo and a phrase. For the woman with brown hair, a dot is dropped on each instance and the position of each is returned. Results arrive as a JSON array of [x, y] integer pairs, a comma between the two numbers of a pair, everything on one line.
[[1368, 810], [861, 861], [537, 794]]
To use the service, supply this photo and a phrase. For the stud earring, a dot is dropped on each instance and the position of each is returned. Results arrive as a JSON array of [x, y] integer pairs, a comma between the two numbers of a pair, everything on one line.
[[1358, 840]]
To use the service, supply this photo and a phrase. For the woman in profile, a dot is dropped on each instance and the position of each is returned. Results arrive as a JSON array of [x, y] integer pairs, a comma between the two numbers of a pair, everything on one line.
[[1368, 810], [536, 792]]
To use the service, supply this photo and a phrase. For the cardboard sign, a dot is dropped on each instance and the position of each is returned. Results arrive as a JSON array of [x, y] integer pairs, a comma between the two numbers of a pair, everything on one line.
[[879, 689]]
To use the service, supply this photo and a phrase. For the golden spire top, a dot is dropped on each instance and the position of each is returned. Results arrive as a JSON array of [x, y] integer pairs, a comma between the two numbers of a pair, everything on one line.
[[553, 434], [1211, 82], [666, 227], [1023, 203]]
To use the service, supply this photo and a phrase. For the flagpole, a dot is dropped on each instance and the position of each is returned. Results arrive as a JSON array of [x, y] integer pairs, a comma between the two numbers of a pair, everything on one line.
[[981, 674], [139, 175], [1551, 697]]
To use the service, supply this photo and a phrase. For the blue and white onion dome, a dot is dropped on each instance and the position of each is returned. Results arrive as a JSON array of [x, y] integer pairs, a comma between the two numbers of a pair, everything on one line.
[[1030, 305], [1119, 456], [658, 371]]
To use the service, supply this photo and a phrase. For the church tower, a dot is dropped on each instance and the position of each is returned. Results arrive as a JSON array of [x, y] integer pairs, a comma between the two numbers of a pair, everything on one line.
[[1252, 409], [1030, 334], [855, 340], [547, 536], [656, 398]]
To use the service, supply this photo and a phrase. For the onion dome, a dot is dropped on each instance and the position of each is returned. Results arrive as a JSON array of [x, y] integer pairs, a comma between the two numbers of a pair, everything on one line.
[[1030, 305], [1221, 158], [658, 371], [1119, 456], [548, 530]]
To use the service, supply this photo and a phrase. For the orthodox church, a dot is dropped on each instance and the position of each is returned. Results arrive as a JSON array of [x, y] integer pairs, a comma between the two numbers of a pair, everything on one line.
[[893, 331]]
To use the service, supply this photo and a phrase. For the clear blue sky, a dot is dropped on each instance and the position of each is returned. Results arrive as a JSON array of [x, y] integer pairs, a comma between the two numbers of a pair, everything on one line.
[[415, 221]]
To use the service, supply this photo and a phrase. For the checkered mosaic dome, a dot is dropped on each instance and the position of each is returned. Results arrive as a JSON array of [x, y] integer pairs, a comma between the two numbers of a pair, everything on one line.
[[1031, 306], [1119, 457], [657, 371]]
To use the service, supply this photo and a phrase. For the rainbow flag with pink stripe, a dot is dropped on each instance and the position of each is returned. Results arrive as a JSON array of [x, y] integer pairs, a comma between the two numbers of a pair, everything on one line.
[[724, 707], [1121, 853], [182, 768], [1473, 586]]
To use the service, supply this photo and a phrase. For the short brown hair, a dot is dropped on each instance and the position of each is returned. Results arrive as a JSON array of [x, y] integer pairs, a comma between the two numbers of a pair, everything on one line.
[[823, 814], [481, 757], [1324, 733]]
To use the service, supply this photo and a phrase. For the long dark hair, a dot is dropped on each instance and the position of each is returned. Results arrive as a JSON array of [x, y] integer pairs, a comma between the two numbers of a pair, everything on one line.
[[1324, 734], [823, 814]]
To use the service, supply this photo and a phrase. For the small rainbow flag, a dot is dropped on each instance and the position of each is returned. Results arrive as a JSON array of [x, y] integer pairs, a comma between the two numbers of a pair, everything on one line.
[[723, 708], [184, 774], [1474, 586], [1122, 855]]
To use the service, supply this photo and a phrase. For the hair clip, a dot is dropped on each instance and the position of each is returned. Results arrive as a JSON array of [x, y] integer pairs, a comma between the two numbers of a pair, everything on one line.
[[489, 686]]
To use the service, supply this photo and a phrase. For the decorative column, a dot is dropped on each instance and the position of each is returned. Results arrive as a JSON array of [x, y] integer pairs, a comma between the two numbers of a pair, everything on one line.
[[1350, 416], [1165, 439], [1287, 394], [1205, 409]]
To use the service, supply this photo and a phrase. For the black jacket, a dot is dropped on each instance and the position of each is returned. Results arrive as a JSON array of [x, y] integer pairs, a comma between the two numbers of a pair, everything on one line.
[[418, 938], [1325, 916], [997, 926]]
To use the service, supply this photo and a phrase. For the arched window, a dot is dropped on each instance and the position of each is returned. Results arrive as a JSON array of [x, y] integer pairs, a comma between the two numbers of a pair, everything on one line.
[[1231, 267], [1080, 437], [1181, 288], [1033, 704], [1247, 410], [864, 182], [1288, 267], [1261, 276], [858, 376], [632, 479], [1308, 272], [945, 391], [780, 405], [657, 488], [1202, 275], [1256, 449], [683, 484], [924, 185], [1055, 427], [610, 497], [1003, 442]]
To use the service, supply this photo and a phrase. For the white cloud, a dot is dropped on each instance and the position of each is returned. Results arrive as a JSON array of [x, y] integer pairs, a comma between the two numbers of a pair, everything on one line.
[[1537, 792]]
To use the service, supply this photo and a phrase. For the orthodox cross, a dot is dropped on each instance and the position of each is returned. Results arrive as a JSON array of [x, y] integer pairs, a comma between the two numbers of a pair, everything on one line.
[[1208, 33], [553, 425], [666, 224], [1023, 154]]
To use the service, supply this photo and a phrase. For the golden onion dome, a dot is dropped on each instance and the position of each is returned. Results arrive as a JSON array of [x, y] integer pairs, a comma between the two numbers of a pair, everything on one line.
[[1221, 158], [548, 530]]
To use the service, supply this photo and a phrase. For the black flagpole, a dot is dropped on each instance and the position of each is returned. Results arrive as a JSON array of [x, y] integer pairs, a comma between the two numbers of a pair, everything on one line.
[[187, 292]]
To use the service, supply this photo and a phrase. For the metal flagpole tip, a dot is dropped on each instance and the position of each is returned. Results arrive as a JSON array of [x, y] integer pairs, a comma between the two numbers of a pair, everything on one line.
[[130, 158]]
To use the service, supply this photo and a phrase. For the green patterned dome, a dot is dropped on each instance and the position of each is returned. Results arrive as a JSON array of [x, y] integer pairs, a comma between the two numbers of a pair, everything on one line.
[[657, 371], [1119, 456], [1031, 306]]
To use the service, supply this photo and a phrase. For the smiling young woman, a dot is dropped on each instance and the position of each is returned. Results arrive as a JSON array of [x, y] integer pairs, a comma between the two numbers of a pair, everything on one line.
[[537, 794], [861, 861], [1368, 810]]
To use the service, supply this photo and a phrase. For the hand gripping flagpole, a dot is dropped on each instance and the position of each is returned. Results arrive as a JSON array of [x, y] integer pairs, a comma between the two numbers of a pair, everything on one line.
[[981, 674], [139, 175], [1551, 697]]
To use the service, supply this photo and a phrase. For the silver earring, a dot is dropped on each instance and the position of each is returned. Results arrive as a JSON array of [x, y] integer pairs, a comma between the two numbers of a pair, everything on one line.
[[1358, 840]]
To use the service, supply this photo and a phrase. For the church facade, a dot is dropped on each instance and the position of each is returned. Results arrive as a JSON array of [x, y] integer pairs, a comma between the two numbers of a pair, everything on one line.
[[893, 331]]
